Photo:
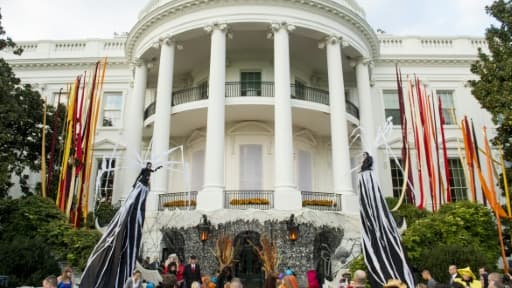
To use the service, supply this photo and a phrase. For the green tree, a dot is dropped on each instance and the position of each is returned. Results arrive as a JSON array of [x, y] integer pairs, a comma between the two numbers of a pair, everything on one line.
[[461, 233], [408, 212], [493, 89], [21, 117], [34, 232]]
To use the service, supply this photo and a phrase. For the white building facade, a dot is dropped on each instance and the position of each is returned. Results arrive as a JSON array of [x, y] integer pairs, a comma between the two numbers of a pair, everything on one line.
[[264, 97]]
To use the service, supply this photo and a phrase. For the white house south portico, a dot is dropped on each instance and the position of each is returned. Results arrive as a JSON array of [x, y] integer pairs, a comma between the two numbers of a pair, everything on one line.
[[263, 97], [216, 24]]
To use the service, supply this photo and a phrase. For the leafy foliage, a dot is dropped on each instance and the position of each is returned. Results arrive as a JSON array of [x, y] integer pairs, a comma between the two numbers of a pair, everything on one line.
[[105, 212], [358, 264], [21, 117], [463, 227], [440, 257], [494, 88], [27, 261], [35, 224], [406, 211], [461, 233]]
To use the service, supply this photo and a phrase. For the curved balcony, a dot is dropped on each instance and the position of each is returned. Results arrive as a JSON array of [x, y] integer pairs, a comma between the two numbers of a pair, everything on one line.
[[252, 89]]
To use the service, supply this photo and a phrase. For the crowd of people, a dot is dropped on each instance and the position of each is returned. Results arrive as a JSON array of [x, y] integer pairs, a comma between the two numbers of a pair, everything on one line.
[[177, 275], [459, 278]]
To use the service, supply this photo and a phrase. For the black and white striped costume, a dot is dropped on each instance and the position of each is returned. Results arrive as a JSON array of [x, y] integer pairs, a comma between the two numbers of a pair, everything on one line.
[[384, 253], [113, 259]]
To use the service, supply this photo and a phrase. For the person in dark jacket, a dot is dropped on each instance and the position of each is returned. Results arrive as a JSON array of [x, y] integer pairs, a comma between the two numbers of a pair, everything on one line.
[[192, 272]]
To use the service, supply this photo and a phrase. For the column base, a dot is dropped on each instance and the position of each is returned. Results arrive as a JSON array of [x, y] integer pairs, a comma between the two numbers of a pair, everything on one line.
[[210, 198], [287, 198], [350, 203]]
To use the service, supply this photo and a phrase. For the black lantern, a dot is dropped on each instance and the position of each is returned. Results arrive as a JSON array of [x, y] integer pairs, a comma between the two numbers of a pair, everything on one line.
[[293, 228], [204, 228]]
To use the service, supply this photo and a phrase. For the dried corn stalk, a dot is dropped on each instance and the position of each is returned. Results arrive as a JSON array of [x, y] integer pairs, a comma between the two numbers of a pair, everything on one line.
[[224, 251], [268, 255]]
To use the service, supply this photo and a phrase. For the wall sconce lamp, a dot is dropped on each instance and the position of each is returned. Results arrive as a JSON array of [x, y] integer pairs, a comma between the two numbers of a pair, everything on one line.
[[293, 228], [204, 228]]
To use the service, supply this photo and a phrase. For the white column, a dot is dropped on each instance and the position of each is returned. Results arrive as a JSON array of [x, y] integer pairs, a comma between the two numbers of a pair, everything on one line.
[[342, 182], [162, 123], [365, 105], [286, 196], [211, 196], [133, 124]]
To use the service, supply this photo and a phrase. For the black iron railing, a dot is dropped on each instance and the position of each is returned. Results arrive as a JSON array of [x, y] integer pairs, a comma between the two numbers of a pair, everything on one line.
[[178, 200], [250, 88], [310, 94], [352, 109], [245, 199], [190, 94], [150, 110], [321, 201]]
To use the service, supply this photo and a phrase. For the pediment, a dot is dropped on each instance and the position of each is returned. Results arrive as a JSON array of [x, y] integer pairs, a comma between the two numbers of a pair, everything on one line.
[[306, 136], [195, 137], [250, 128], [108, 144]]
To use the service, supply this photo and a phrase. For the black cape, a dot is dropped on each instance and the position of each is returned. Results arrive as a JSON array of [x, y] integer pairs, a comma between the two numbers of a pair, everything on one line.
[[114, 258], [384, 253]]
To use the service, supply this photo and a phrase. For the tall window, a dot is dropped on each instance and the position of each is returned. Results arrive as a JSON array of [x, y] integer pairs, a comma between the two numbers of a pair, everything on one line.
[[197, 177], [112, 104], [397, 177], [251, 167], [391, 105], [448, 106], [458, 185], [107, 179], [305, 171], [250, 83]]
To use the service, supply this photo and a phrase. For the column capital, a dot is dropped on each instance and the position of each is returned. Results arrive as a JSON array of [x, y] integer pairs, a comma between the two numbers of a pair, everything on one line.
[[331, 40], [166, 40], [276, 26], [223, 27], [137, 62], [365, 61]]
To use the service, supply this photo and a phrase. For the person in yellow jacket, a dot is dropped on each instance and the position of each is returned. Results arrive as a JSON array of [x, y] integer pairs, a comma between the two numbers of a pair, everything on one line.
[[468, 278]]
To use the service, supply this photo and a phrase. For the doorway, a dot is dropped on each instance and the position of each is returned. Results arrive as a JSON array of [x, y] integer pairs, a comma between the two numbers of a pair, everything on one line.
[[173, 242], [247, 263]]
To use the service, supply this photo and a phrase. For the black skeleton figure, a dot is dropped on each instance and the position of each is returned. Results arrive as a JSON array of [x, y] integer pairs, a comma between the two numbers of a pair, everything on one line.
[[367, 162], [145, 174]]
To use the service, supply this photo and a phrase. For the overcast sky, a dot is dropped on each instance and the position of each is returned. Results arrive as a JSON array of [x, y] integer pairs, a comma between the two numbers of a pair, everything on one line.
[[78, 19]]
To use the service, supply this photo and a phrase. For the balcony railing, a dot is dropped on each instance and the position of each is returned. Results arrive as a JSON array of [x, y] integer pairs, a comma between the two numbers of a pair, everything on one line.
[[250, 88], [245, 199], [178, 200], [255, 89], [190, 95], [310, 94], [321, 201], [352, 109], [150, 110]]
